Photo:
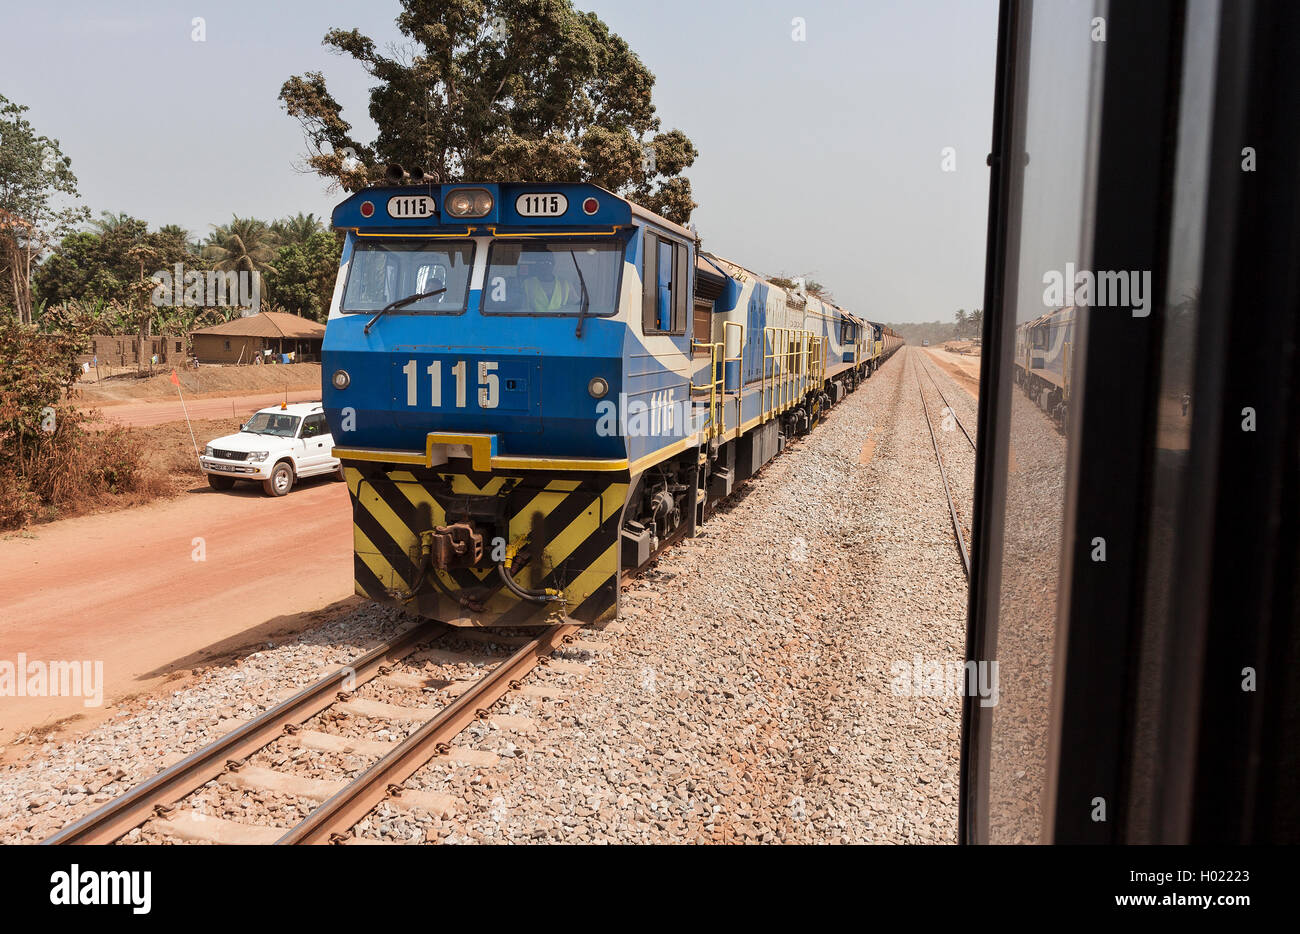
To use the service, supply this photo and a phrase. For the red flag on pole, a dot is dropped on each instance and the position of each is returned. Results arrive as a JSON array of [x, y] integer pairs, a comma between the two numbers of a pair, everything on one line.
[[176, 380]]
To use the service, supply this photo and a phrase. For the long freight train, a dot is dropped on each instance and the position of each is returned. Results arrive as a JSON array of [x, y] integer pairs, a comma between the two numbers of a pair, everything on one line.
[[535, 386]]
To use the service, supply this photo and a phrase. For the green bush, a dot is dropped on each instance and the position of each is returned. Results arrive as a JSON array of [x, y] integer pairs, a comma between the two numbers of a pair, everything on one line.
[[50, 463]]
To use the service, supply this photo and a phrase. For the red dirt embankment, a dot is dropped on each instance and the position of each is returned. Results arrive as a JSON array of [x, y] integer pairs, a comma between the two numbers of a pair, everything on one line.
[[203, 383], [167, 587]]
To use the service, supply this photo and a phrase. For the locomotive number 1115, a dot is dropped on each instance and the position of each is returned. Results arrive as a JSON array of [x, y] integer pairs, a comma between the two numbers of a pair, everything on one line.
[[489, 383]]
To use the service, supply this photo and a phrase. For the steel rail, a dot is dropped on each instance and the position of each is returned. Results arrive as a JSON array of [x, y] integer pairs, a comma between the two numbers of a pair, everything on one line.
[[943, 475], [949, 405], [350, 805], [136, 806]]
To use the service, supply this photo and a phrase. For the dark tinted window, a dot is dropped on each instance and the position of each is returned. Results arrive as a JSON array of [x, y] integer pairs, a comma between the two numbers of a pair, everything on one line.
[[1056, 101]]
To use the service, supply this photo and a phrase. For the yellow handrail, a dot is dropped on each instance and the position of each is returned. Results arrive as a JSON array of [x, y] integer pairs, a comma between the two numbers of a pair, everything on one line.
[[716, 385], [798, 366]]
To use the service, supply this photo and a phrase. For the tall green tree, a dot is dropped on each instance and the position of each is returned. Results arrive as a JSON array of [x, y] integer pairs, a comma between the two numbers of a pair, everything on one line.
[[297, 229], [36, 190], [499, 90], [102, 267], [108, 221], [246, 244], [303, 281]]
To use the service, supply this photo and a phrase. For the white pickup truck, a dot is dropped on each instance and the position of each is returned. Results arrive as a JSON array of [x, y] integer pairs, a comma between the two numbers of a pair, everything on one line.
[[276, 447]]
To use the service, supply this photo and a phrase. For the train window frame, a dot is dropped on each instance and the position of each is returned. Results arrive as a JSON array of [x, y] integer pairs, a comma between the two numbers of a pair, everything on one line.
[[562, 237], [1200, 744], [680, 284], [388, 241]]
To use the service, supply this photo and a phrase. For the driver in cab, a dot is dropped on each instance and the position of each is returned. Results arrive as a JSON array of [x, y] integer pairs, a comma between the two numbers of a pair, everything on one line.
[[543, 290]]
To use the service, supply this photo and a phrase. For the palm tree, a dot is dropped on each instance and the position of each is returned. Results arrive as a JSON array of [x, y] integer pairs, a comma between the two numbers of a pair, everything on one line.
[[108, 221], [246, 244], [297, 229], [174, 232]]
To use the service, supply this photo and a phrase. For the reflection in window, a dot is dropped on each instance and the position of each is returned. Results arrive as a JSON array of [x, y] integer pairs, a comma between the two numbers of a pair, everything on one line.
[[1174, 398], [384, 271], [663, 303], [552, 277], [1054, 147]]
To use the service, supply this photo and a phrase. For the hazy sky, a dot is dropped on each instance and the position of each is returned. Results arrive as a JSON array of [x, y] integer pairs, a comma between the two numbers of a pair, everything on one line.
[[822, 156]]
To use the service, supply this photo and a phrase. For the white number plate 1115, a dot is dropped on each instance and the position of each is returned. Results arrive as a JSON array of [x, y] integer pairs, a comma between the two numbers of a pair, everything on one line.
[[541, 205], [411, 206]]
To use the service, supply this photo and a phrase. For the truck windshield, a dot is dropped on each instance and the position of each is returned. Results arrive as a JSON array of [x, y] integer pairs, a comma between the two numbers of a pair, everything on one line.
[[273, 423], [384, 271], [550, 277]]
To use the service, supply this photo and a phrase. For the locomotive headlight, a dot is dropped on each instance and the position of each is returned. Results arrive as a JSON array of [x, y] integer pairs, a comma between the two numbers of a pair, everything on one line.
[[597, 387], [469, 202], [340, 379]]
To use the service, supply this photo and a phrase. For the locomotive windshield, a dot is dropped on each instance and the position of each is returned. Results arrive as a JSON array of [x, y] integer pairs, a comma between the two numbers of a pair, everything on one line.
[[553, 278], [384, 271]]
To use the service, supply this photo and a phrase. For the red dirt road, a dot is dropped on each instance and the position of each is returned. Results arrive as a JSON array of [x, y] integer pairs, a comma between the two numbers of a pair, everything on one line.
[[124, 587], [155, 413]]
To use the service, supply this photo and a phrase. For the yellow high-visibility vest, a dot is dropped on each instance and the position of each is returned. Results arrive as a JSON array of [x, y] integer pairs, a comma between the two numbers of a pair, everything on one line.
[[535, 291]]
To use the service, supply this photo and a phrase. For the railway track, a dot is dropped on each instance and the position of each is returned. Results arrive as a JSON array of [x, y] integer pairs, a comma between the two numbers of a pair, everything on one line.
[[336, 807], [962, 549], [948, 405], [333, 808]]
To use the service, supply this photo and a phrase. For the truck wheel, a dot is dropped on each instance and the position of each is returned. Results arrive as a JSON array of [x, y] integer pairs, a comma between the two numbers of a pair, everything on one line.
[[280, 481], [220, 483]]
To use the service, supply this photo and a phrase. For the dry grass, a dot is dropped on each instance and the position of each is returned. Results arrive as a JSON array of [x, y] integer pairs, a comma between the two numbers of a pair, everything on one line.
[[98, 471]]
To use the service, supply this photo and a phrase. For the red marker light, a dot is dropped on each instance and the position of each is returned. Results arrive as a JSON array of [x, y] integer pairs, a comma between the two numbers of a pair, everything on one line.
[[367, 208], [590, 206]]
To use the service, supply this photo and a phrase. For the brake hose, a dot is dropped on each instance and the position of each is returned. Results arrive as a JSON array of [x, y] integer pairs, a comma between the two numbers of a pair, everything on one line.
[[545, 595]]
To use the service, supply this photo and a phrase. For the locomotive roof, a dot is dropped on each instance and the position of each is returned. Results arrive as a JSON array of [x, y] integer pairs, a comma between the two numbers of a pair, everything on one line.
[[727, 265], [370, 208]]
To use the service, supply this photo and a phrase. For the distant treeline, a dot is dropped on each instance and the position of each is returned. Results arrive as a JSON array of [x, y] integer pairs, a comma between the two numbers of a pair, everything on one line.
[[964, 326], [936, 332]]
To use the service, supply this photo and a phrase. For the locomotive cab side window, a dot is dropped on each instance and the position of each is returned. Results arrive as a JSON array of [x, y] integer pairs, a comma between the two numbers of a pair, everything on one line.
[[665, 278]]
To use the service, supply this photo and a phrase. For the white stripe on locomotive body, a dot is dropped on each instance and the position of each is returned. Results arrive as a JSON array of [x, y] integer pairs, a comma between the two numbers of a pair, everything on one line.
[[818, 316]]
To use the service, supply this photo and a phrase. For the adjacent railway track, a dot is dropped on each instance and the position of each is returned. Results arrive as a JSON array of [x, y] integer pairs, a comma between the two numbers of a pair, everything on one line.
[[958, 532], [948, 405], [161, 796]]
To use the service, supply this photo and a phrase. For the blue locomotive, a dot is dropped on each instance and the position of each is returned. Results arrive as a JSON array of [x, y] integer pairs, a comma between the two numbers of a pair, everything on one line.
[[535, 386]]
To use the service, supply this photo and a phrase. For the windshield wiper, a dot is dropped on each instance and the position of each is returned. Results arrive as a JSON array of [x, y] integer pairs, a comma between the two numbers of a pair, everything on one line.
[[586, 301], [401, 303]]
